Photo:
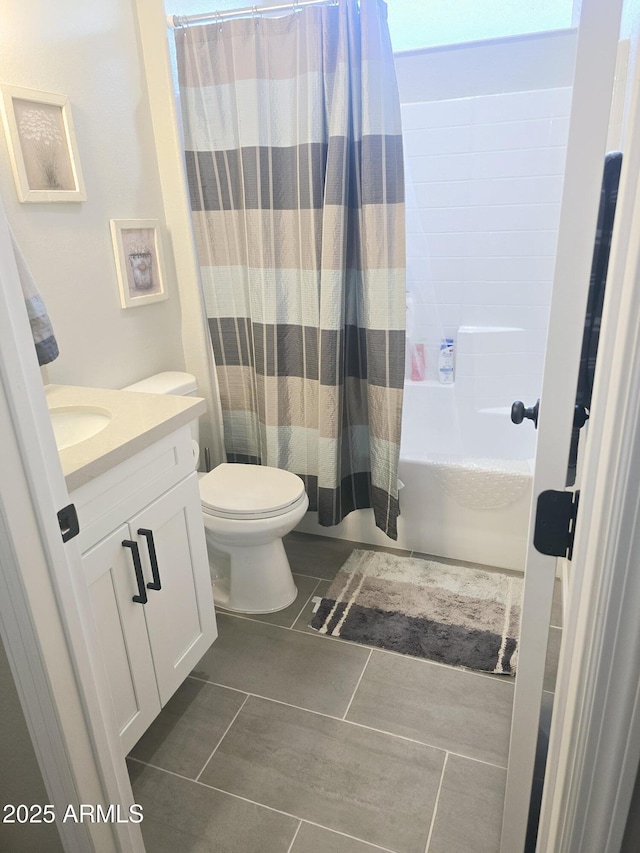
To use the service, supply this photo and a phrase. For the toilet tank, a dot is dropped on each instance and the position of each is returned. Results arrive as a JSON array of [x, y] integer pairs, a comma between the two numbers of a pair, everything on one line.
[[169, 382]]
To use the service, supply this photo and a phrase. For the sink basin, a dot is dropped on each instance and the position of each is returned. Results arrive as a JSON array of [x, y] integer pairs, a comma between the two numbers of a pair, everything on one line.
[[73, 424]]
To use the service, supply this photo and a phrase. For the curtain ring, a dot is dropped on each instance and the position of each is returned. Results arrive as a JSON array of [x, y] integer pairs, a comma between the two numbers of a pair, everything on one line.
[[219, 20], [255, 15]]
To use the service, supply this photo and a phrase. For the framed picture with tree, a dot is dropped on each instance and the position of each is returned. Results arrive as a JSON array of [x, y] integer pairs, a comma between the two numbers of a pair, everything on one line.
[[42, 146]]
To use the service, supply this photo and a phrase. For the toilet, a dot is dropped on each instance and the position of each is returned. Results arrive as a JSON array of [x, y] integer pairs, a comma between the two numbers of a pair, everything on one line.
[[247, 509]]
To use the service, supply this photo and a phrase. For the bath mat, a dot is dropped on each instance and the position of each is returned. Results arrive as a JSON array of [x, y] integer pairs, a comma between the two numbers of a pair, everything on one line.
[[452, 614]]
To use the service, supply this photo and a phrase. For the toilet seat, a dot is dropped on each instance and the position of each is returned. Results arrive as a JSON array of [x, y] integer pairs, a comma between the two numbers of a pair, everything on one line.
[[239, 491]]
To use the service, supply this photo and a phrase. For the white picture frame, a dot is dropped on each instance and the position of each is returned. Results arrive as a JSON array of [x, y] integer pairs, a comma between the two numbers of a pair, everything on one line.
[[42, 146], [139, 261]]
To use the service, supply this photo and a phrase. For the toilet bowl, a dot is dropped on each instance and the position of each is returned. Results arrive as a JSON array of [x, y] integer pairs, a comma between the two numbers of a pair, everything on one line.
[[246, 509]]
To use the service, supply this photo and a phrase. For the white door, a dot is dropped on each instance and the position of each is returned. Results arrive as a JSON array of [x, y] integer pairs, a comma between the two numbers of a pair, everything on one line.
[[593, 86], [179, 615], [109, 573], [44, 606]]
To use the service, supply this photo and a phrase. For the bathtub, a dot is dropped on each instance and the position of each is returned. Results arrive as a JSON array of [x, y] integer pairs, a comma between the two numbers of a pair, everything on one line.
[[467, 475]]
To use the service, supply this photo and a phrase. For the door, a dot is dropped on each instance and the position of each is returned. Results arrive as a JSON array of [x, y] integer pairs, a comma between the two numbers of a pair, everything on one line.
[[110, 575], [179, 611], [44, 607], [593, 86]]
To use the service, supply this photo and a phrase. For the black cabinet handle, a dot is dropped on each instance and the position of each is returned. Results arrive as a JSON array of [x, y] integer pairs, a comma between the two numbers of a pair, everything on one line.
[[141, 598], [151, 545]]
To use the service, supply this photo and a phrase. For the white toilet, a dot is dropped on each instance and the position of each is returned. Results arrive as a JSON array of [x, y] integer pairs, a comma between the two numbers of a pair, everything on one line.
[[247, 509]]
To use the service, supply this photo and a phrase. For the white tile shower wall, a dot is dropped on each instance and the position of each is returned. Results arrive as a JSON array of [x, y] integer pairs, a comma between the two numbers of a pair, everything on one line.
[[484, 184]]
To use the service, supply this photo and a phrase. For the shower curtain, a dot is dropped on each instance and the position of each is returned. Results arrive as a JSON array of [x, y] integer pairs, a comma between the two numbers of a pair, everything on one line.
[[293, 152]]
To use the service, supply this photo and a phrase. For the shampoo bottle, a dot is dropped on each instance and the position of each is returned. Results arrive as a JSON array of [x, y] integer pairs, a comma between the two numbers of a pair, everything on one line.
[[418, 363], [445, 362]]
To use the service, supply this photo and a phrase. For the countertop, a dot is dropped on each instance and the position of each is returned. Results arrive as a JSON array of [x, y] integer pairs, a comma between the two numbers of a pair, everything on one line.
[[137, 420]]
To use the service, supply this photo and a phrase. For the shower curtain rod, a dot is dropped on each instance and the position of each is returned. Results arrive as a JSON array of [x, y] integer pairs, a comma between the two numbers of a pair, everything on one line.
[[176, 21]]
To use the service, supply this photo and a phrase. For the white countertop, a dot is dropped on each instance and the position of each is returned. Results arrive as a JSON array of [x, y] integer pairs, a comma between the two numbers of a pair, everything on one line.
[[137, 420]]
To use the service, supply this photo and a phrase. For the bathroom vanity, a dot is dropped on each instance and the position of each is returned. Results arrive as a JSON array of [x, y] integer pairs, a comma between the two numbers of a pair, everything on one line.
[[142, 540]]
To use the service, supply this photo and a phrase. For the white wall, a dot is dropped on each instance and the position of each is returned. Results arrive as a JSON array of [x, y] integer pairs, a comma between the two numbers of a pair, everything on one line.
[[89, 52], [200, 7], [484, 185], [537, 61], [482, 219]]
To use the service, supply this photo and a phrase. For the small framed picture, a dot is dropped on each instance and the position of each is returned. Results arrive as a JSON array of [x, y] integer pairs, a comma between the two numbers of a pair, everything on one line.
[[139, 263], [42, 146]]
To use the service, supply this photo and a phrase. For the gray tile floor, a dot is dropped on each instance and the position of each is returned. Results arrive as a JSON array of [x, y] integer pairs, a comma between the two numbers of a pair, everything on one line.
[[283, 741]]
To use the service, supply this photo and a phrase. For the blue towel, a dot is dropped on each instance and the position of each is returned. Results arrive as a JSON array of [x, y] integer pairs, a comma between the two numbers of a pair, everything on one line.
[[41, 328]]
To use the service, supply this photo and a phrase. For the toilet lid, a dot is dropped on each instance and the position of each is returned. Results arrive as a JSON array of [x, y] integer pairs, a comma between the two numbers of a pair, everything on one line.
[[237, 489]]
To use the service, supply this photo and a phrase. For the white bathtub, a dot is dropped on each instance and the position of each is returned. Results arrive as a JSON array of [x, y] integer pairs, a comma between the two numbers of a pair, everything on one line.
[[467, 482], [467, 475]]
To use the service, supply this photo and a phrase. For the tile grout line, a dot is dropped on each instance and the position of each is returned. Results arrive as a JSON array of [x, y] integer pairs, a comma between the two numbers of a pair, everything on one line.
[[295, 835], [226, 731], [256, 803], [323, 714], [413, 552], [436, 804], [477, 760], [254, 617], [346, 835], [486, 675], [225, 686], [314, 577], [310, 596], [351, 723], [355, 689], [213, 788], [508, 680]]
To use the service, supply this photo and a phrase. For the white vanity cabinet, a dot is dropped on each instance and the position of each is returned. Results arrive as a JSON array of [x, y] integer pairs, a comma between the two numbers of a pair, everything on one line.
[[141, 528]]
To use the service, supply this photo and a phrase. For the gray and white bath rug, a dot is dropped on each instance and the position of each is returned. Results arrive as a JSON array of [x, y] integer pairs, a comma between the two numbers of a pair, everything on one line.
[[451, 614]]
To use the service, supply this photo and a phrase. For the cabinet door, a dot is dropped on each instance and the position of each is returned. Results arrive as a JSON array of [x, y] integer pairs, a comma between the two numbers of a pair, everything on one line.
[[180, 616], [111, 579]]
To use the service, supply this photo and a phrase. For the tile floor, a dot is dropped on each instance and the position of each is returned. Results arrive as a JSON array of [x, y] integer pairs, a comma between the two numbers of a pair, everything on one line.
[[283, 741]]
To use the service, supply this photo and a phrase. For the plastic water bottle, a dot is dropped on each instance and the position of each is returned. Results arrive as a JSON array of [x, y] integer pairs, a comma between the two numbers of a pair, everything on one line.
[[445, 361]]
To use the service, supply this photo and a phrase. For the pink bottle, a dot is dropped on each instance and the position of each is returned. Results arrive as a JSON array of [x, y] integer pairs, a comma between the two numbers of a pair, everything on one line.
[[418, 363]]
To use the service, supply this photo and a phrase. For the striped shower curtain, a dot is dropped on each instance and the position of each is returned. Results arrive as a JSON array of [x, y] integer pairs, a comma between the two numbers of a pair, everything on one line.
[[294, 162]]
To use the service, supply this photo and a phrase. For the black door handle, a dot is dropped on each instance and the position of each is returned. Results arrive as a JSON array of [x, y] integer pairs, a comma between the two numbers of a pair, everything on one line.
[[519, 413], [141, 598], [153, 559]]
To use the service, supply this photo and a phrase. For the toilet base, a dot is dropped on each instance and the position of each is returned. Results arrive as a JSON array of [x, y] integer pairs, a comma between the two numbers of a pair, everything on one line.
[[221, 600], [258, 578]]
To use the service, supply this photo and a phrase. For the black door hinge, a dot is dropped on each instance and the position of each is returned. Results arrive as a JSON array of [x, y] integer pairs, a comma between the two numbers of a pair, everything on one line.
[[68, 521], [555, 526]]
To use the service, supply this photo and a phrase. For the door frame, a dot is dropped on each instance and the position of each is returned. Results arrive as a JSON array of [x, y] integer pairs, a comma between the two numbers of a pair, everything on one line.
[[598, 36], [36, 466], [45, 616], [591, 765]]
